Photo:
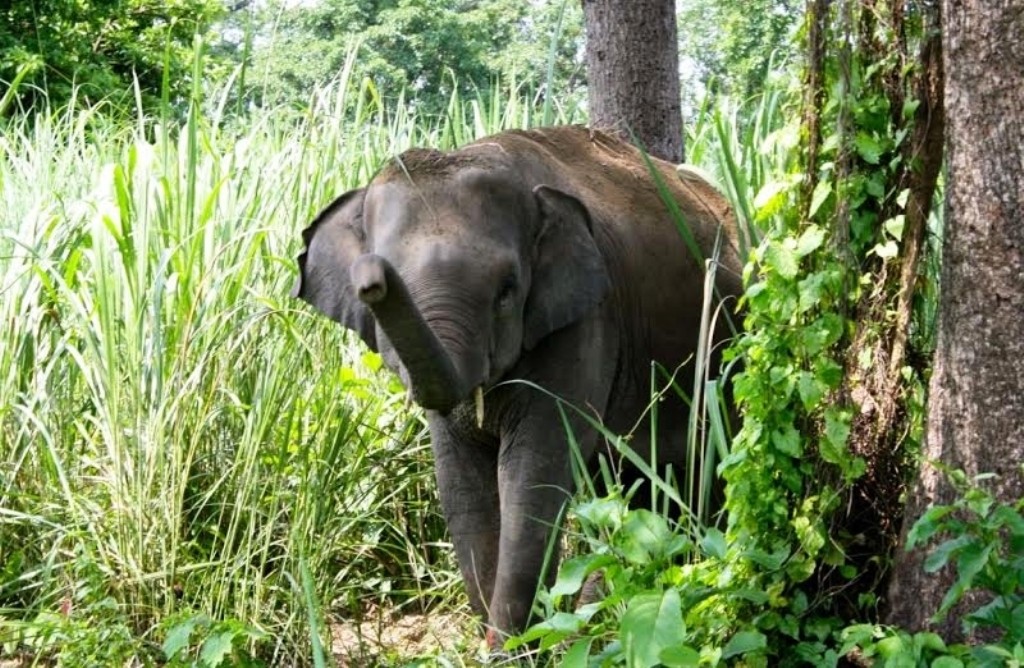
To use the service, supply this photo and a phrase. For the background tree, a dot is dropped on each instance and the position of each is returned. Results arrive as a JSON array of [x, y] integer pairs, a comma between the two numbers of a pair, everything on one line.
[[426, 47], [633, 72], [99, 46], [976, 395], [731, 46]]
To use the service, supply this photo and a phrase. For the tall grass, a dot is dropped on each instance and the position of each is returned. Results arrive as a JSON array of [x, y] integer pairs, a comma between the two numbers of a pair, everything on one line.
[[746, 147], [177, 436]]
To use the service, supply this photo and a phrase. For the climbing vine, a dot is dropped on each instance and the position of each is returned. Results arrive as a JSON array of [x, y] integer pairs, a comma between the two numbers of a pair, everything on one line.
[[832, 386]]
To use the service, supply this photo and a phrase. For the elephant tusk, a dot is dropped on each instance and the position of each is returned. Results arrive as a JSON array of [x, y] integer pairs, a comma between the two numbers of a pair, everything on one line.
[[478, 397]]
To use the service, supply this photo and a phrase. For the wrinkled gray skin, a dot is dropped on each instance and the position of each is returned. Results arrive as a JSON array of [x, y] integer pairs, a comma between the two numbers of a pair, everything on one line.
[[546, 256]]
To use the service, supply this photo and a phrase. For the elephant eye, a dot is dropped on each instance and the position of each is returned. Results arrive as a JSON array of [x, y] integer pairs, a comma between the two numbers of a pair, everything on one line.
[[506, 295]]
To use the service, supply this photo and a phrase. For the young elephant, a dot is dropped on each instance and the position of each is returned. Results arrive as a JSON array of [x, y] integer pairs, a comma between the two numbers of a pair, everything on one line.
[[546, 256]]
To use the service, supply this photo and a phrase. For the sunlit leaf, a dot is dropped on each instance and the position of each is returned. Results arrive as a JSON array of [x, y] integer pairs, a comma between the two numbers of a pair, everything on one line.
[[867, 148], [652, 622], [818, 197], [743, 642], [783, 259], [713, 543]]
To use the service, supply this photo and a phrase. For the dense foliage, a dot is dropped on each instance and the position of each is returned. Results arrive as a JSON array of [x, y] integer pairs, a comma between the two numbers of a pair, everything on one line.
[[430, 48], [278, 52], [732, 46], [95, 50]]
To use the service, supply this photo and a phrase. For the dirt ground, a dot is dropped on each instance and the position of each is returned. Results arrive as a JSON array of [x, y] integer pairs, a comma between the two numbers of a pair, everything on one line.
[[387, 639]]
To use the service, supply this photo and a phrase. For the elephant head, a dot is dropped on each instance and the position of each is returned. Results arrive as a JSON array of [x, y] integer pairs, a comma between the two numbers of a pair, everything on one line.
[[450, 269]]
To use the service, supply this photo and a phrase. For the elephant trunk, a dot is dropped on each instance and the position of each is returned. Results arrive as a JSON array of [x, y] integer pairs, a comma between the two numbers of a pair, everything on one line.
[[434, 382]]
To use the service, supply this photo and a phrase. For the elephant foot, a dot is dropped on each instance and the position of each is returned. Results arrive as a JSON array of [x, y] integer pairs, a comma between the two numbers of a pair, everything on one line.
[[495, 642], [497, 655]]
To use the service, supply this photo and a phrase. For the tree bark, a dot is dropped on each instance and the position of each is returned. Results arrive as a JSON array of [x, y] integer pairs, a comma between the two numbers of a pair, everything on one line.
[[976, 402], [633, 72]]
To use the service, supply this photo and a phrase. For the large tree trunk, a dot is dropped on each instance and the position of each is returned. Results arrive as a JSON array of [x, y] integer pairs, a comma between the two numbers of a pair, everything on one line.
[[976, 403], [633, 72]]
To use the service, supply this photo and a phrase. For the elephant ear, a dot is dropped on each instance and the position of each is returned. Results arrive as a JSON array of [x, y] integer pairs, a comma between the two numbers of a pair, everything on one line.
[[333, 242], [569, 274]]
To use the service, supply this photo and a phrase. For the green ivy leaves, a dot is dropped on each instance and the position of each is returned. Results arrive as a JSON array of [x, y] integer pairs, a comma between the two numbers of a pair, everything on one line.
[[984, 542]]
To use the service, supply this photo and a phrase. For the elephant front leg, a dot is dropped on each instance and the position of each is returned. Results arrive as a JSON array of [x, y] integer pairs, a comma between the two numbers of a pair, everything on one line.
[[466, 472], [535, 484]]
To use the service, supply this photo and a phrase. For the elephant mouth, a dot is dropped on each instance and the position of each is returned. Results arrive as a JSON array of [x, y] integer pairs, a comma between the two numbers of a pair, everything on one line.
[[476, 395]]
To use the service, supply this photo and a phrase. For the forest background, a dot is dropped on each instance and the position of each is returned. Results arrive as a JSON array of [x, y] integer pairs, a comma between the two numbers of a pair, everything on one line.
[[197, 471]]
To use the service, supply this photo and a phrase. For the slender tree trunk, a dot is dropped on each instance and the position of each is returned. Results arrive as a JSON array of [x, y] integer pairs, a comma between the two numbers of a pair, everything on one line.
[[976, 403], [633, 72]]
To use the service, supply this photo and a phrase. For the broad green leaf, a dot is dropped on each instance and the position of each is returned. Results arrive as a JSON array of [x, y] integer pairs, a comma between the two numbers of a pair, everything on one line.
[[1016, 627], [811, 390], [902, 198], [783, 259], [931, 641], [1010, 518], [973, 558], [605, 513], [814, 336], [979, 502], [867, 148], [892, 647], [652, 622], [578, 654], [770, 199], [910, 106], [180, 634], [644, 536], [755, 289], [553, 629], [818, 197], [713, 543], [372, 361], [787, 441], [874, 184], [743, 642], [573, 572], [969, 562], [810, 240], [837, 431], [889, 249], [811, 290], [216, 648], [680, 656], [947, 662], [894, 226], [809, 534], [755, 596], [857, 635], [829, 372], [940, 556]]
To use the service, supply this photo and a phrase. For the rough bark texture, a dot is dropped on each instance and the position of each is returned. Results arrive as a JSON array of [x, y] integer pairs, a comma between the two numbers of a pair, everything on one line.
[[633, 72], [976, 403], [879, 392], [814, 90]]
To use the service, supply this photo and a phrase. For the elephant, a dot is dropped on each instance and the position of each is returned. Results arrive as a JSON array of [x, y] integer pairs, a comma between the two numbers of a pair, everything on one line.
[[547, 256]]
